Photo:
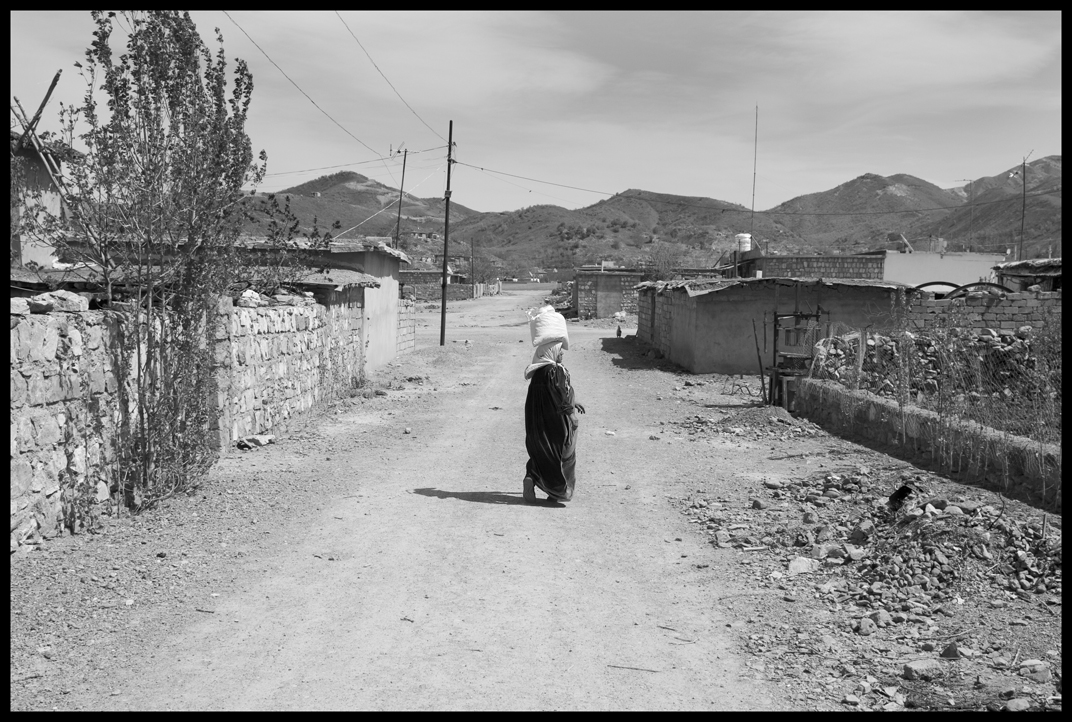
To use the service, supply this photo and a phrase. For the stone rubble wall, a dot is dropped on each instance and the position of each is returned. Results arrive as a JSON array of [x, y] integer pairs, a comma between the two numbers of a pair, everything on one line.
[[1031, 467], [273, 363], [63, 402], [282, 361]]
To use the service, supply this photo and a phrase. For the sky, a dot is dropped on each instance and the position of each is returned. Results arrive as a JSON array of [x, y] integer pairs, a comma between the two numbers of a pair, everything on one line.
[[569, 108]]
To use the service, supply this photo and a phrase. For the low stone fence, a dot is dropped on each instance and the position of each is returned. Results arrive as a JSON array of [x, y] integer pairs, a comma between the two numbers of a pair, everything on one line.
[[1006, 462]]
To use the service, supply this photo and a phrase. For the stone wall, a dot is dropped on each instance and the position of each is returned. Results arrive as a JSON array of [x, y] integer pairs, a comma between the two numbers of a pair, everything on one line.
[[602, 294], [406, 339], [274, 362], [822, 266], [1033, 469], [985, 310], [63, 397], [281, 361]]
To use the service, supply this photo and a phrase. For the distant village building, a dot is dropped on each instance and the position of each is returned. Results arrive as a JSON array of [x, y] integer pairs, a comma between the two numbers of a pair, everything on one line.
[[602, 291], [707, 326]]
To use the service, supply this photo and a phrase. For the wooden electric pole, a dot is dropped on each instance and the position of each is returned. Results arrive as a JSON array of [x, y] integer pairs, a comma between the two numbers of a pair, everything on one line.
[[398, 225], [446, 238], [1023, 207]]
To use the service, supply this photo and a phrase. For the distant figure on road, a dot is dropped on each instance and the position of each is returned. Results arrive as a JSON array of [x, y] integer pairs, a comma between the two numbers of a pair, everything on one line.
[[619, 331], [550, 425]]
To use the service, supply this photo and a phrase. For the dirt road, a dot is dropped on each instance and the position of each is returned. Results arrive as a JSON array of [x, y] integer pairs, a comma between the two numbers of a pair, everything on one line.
[[418, 579]]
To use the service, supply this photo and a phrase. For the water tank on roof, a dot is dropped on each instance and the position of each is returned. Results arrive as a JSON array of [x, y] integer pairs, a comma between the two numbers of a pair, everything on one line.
[[744, 242]]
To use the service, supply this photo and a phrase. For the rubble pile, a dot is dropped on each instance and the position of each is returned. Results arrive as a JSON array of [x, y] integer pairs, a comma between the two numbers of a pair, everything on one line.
[[754, 421], [892, 562]]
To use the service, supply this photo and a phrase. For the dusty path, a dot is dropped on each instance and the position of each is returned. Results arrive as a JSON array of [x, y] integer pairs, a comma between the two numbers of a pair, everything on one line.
[[428, 584]]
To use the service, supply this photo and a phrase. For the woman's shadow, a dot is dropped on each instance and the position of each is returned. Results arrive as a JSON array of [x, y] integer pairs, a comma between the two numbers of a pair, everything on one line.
[[483, 497]]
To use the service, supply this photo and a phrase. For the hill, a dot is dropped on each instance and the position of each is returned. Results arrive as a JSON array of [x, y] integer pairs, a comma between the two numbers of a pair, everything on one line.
[[628, 227], [364, 205], [858, 214], [990, 217]]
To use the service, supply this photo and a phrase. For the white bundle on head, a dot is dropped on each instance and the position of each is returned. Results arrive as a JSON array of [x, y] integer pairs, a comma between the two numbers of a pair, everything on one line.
[[547, 326]]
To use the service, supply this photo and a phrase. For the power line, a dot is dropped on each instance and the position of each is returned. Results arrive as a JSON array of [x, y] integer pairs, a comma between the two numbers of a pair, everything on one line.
[[296, 85], [389, 204], [385, 77], [535, 180], [346, 165]]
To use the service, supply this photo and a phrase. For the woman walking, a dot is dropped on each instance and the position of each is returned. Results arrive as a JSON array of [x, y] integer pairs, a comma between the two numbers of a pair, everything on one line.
[[550, 425]]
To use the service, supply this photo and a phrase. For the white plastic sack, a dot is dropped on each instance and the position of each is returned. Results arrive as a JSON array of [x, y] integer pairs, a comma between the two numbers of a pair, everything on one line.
[[547, 326]]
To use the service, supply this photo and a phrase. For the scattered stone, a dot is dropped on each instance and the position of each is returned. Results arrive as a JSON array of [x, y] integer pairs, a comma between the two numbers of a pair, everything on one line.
[[810, 517], [928, 646], [789, 598], [407, 430], [760, 504], [925, 669], [1018, 705], [851, 699], [802, 565], [863, 531], [881, 618], [951, 651], [20, 307], [609, 433], [866, 627], [772, 484]]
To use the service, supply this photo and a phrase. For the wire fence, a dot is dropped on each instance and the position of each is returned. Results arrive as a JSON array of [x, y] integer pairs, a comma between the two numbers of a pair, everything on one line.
[[1008, 379]]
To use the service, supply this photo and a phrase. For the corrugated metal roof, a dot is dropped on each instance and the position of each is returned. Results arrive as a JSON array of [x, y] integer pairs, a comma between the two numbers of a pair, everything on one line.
[[334, 277], [1030, 267]]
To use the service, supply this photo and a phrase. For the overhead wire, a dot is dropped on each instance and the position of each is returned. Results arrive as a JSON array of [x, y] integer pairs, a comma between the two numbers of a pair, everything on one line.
[[326, 114], [389, 205], [346, 165], [385, 77]]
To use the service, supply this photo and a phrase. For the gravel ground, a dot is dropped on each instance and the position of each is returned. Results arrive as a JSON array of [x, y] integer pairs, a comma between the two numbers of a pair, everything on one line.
[[824, 599]]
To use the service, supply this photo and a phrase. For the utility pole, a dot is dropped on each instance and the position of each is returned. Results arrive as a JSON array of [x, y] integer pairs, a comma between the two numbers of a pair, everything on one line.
[[446, 238], [1023, 207], [755, 157], [398, 225], [971, 219]]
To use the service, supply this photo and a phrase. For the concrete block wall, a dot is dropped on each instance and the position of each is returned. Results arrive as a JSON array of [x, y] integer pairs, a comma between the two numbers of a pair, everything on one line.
[[822, 266], [1033, 469], [406, 339], [985, 310], [63, 397]]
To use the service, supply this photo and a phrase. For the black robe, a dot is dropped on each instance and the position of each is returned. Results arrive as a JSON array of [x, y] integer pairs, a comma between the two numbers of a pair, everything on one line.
[[550, 433]]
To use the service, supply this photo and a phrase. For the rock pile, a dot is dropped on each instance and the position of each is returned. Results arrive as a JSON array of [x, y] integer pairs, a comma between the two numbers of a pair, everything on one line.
[[988, 361], [886, 579]]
